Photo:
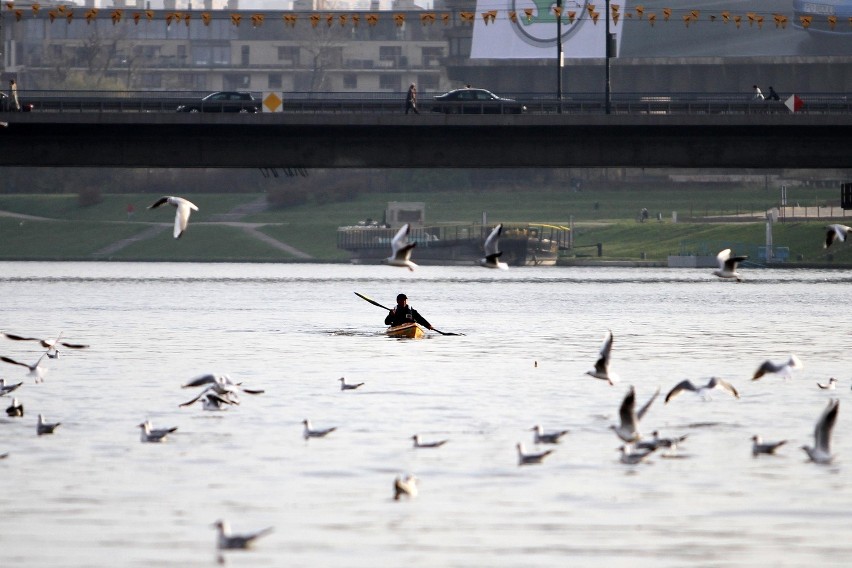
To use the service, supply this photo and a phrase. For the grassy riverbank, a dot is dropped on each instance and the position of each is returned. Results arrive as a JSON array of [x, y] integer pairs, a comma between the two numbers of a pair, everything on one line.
[[707, 219]]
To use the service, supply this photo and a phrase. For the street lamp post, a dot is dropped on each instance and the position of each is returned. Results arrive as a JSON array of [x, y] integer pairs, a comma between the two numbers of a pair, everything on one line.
[[608, 54], [559, 54]]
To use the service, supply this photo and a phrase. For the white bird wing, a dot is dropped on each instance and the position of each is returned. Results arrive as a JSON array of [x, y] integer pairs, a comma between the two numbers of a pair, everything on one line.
[[400, 240], [200, 380], [722, 257], [491, 243], [824, 426], [184, 208], [645, 408], [627, 411]]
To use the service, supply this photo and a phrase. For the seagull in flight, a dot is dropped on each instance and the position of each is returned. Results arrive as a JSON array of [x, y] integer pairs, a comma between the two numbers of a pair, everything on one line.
[[492, 254], [152, 435], [784, 369], [601, 370], [835, 233], [311, 433], [49, 344], [542, 437], [758, 446], [401, 249], [656, 442], [628, 430], [227, 541], [419, 444], [702, 390], [16, 409], [44, 427], [821, 451], [348, 386], [220, 384], [527, 459], [35, 370], [406, 486], [832, 382], [212, 401], [6, 389], [728, 265], [184, 208]]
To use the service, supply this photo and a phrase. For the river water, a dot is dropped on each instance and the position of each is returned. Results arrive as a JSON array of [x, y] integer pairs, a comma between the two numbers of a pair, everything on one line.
[[93, 495]]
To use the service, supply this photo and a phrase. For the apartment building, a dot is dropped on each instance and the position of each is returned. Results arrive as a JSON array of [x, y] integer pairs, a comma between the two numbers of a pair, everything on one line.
[[225, 49]]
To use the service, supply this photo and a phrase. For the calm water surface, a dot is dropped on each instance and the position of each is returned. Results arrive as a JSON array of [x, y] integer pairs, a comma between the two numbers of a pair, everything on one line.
[[92, 495]]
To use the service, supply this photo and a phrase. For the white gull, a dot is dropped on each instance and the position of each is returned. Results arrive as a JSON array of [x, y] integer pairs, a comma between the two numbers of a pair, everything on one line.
[[184, 208], [401, 249], [492, 253], [821, 450], [728, 265]]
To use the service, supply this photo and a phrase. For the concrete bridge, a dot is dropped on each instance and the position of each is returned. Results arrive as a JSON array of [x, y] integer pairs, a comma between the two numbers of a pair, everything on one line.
[[210, 140]]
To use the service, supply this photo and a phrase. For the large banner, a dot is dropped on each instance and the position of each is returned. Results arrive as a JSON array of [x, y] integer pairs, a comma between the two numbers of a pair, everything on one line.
[[527, 29]]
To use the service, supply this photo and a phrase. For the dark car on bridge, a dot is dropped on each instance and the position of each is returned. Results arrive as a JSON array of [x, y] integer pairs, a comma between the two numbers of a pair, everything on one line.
[[475, 101], [223, 101]]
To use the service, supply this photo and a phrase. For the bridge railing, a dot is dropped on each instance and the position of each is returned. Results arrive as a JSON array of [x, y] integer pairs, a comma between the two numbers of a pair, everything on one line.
[[393, 103]]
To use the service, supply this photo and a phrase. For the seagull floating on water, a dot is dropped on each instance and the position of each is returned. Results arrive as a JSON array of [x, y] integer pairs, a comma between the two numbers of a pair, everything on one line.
[[703, 390], [657, 442], [348, 386], [628, 430], [527, 459], [492, 254], [401, 249], [310, 433], [405, 486], [152, 435], [821, 451], [632, 457], [835, 233], [758, 446], [601, 370], [44, 427], [728, 265], [419, 444], [16, 409], [227, 541], [784, 369], [212, 401], [542, 437], [184, 208], [36, 370], [6, 389], [832, 382]]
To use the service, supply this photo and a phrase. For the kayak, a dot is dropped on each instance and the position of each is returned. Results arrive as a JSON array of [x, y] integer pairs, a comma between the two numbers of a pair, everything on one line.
[[409, 330]]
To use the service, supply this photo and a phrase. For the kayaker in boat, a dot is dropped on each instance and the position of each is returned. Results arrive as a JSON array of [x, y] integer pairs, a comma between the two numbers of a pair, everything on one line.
[[403, 313]]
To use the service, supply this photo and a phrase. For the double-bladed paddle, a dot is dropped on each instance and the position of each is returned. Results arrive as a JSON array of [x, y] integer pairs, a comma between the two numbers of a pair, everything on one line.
[[375, 303]]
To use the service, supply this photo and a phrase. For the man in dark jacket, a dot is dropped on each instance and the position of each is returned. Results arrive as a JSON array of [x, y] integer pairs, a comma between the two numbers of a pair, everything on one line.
[[403, 313]]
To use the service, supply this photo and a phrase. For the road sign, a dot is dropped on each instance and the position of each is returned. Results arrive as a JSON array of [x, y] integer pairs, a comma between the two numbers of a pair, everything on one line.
[[271, 102], [794, 103]]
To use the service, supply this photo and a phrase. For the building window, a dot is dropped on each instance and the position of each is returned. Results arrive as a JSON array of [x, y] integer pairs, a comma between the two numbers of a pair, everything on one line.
[[390, 54], [274, 81], [350, 81], [288, 55], [150, 80], [390, 82], [181, 51], [432, 56], [427, 83], [244, 55]]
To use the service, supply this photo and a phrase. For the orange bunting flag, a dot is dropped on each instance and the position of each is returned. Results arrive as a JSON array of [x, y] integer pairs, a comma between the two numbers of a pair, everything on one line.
[[738, 20], [651, 19], [616, 14], [726, 16], [557, 11], [149, 15], [467, 17], [18, 15], [257, 20], [667, 12], [61, 9], [170, 18], [343, 19], [489, 17], [10, 5], [91, 15], [372, 19], [116, 16], [205, 18], [136, 17], [399, 19], [780, 20], [186, 18], [832, 21], [615, 17], [356, 19], [36, 7], [806, 21], [445, 18], [712, 17], [329, 19], [289, 19], [759, 21], [315, 20], [595, 17], [528, 12], [69, 16], [751, 16], [513, 16], [236, 19], [590, 8], [572, 15], [641, 11], [686, 19], [427, 19], [695, 14], [52, 15]]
